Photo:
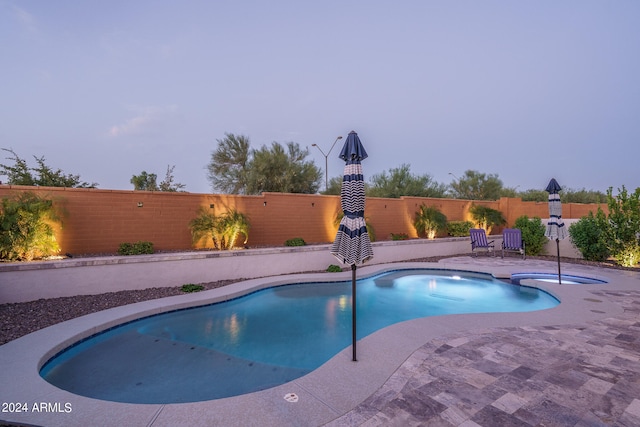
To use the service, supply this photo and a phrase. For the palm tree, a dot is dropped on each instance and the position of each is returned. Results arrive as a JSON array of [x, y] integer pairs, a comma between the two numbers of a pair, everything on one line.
[[429, 220], [486, 218], [230, 225]]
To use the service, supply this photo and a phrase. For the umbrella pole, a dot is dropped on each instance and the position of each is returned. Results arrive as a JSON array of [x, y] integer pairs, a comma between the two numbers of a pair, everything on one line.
[[558, 250], [353, 310]]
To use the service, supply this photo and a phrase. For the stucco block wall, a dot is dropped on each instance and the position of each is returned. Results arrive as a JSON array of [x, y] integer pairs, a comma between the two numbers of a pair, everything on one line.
[[97, 221]]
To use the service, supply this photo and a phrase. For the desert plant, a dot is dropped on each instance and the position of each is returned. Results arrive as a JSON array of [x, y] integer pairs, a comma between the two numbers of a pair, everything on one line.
[[429, 220], [190, 287], [203, 226], [26, 230], [137, 248], [459, 228], [588, 234], [230, 226], [486, 217], [296, 241], [399, 236], [334, 269], [533, 236], [223, 230]]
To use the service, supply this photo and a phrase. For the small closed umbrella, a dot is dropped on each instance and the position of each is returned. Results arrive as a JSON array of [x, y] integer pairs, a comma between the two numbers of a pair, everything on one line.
[[555, 227], [352, 245]]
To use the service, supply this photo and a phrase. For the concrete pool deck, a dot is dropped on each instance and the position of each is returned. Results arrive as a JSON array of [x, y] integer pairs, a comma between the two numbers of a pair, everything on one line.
[[575, 364]]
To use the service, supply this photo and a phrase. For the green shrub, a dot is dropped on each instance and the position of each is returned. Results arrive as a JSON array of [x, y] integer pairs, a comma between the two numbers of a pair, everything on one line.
[[190, 287], [296, 241], [429, 220], [459, 228], [589, 236], [26, 230], [623, 226], [137, 248], [334, 268], [399, 236], [532, 234]]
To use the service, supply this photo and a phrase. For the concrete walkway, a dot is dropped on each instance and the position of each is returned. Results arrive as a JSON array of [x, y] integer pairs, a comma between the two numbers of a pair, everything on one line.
[[574, 365]]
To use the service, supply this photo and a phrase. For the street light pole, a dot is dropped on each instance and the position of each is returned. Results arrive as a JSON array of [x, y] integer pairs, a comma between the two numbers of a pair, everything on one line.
[[326, 162]]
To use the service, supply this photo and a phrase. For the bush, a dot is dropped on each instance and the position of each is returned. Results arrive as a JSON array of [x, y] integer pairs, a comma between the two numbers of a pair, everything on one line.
[[334, 269], [223, 230], [459, 228], [623, 226], [190, 287], [26, 231], [296, 241], [137, 248], [399, 236], [429, 220], [532, 234], [589, 236]]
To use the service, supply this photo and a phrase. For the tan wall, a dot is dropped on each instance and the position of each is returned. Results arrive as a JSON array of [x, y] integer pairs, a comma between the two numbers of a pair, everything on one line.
[[98, 221]]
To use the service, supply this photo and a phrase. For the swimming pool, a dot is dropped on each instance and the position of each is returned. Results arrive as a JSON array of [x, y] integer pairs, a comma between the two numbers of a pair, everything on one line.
[[268, 337]]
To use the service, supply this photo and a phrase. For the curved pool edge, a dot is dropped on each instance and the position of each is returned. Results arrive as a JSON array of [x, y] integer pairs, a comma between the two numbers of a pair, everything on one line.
[[325, 394]]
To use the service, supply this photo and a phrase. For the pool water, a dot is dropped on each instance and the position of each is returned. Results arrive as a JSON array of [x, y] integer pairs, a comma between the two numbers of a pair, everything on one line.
[[268, 337], [567, 279]]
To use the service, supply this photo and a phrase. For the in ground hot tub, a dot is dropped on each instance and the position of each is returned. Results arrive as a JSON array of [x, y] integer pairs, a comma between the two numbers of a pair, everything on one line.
[[567, 279]]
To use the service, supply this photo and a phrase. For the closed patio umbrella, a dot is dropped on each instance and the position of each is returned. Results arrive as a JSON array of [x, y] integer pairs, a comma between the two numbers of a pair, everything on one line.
[[352, 245], [555, 227]]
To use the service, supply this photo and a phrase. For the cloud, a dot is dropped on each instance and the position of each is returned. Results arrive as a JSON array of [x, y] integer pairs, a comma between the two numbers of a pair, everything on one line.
[[26, 19], [146, 121]]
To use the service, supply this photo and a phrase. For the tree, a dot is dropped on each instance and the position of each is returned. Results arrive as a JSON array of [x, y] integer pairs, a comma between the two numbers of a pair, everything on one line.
[[534, 196], [223, 230], [477, 186], [43, 175], [283, 170], [229, 166], [401, 182], [429, 221], [145, 182], [334, 188], [167, 183], [148, 181], [486, 217]]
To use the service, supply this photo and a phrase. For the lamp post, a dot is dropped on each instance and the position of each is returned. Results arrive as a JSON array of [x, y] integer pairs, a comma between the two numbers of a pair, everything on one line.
[[326, 162]]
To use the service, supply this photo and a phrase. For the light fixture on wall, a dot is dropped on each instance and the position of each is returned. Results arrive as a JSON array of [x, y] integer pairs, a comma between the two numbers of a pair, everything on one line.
[[312, 204], [140, 204], [264, 204]]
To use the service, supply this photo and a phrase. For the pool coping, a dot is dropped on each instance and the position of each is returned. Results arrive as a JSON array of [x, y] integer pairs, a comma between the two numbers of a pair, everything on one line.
[[323, 395]]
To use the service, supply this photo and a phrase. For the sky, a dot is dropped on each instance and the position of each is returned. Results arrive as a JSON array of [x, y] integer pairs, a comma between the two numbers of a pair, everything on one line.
[[525, 90]]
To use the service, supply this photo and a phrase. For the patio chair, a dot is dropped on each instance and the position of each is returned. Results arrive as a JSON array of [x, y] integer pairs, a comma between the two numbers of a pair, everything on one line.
[[512, 241], [479, 242]]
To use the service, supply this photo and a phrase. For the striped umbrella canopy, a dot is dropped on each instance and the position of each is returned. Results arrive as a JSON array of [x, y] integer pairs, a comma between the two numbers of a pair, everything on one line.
[[555, 227], [352, 244]]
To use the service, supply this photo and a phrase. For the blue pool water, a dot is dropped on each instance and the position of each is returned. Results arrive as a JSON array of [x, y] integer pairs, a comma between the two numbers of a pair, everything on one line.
[[567, 279], [266, 338]]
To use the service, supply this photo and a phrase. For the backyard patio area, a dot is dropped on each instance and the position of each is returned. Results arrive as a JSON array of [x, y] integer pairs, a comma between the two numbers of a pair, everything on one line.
[[576, 364]]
